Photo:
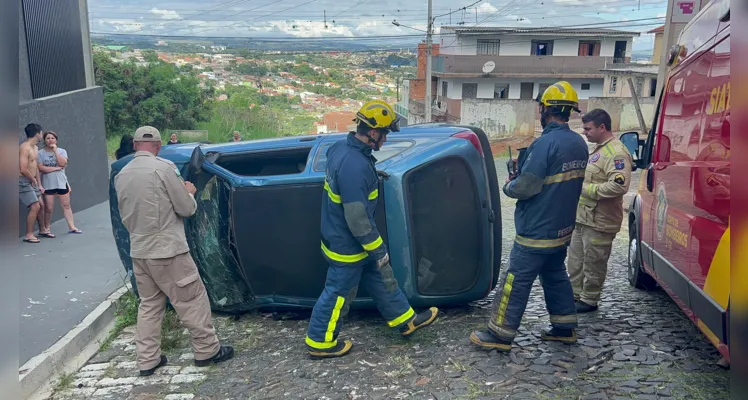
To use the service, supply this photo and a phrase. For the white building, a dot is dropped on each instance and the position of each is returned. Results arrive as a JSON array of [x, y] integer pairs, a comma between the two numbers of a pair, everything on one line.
[[511, 63]]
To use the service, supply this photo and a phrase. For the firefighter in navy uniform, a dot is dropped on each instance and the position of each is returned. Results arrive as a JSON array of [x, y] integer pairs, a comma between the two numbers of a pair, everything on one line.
[[351, 242], [547, 186]]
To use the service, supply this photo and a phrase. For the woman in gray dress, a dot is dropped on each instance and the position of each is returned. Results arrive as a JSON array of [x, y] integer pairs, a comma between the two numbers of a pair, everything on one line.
[[52, 163]]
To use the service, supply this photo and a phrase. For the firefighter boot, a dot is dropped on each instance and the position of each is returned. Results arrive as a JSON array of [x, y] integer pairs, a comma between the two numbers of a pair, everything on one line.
[[340, 349], [419, 321], [568, 336], [583, 307], [487, 340]]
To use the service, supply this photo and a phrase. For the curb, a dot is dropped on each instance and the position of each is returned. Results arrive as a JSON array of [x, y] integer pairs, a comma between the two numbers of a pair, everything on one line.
[[71, 352]]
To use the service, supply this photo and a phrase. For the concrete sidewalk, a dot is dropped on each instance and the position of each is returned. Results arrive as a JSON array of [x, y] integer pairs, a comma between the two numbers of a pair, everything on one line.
[[63, 279]]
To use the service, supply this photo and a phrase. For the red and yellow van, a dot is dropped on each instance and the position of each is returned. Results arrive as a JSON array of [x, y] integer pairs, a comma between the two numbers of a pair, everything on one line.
[[679, 222]]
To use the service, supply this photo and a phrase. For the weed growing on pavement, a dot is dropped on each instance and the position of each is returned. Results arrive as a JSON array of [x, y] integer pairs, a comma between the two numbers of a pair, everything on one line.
[[404, 367], [65, 382], [126, 314], [171, 332]]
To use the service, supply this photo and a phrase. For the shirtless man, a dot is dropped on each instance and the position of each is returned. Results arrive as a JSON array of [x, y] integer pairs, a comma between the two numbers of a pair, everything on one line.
[[29, 181]]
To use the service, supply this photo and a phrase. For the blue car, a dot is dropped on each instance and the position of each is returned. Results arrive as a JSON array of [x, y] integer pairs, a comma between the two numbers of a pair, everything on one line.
[[256, 233]]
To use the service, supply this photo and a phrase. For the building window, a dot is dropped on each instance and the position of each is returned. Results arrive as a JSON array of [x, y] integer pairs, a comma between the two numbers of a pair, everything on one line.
[[542, 47], [445, 86], [652, 87], [501, 91], [488, 47], [589, 48], [469, 90], [542, 87], [585, 86], [613, 84]]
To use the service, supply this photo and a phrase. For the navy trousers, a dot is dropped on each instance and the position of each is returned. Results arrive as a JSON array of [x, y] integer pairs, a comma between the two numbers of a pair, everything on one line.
[[526, 264], [340, 290]]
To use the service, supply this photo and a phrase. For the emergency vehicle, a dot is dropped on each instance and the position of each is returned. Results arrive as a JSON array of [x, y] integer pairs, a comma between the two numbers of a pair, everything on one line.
[[679, 221]]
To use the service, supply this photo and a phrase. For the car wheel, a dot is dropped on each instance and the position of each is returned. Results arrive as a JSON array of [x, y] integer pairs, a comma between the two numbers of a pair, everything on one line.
[[638, 278]]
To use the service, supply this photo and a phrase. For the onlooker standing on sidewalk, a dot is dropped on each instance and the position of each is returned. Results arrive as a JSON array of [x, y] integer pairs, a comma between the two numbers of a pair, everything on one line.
[[153, 201], [125, 147], [29, 181], [173, 139], [52, 163], [600, 210]]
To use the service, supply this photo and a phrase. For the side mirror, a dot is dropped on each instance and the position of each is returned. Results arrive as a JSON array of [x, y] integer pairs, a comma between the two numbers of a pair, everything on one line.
[[633, 144]]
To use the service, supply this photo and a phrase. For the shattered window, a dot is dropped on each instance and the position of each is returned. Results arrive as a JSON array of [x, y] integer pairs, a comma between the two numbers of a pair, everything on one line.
[[389, 149]]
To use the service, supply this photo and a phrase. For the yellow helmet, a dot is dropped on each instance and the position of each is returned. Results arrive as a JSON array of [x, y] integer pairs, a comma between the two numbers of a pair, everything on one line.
[[560, 94], [377, 114]]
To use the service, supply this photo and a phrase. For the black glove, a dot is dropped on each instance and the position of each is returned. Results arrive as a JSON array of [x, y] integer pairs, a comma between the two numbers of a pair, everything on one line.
[[383, 174]]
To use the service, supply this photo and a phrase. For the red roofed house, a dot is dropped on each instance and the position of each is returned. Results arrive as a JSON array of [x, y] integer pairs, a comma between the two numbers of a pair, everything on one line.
[[339, 121]]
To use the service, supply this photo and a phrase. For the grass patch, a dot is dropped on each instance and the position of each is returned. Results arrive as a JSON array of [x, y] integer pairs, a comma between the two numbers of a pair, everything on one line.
[[171, 332], [65, 382], [126, 314], [403, 367]]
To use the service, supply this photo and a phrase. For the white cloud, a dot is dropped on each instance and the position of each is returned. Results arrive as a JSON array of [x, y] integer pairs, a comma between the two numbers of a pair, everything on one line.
[[165, 14], [486, 8]]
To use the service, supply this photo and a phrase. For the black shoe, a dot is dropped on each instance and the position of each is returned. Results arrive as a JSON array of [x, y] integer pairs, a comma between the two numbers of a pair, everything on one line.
[[224, 353], [341, 349], [583, 307], [488, 340], [149, 372], [568, 336], [419, 321]]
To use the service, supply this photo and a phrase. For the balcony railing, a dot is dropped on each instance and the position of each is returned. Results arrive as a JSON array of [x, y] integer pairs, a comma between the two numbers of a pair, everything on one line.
[[469, 64]]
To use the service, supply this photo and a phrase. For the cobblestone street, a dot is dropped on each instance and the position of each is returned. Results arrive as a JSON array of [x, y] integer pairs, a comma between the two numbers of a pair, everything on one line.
[[638, 345]]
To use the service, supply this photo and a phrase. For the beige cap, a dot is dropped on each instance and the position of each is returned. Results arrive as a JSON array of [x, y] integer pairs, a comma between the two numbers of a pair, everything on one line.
[[147, 134]]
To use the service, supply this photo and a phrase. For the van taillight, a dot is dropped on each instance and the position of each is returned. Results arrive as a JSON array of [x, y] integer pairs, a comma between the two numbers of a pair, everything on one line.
[[472, 138]]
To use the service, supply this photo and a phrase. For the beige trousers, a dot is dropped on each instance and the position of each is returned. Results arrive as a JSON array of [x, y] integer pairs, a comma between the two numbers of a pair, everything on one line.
[[587, 265], [178, 279]]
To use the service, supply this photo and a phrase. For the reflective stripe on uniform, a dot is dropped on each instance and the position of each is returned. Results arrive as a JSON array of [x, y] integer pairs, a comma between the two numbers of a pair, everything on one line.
[[403, 318], [374, 194], [344, 258], [563, 319], [321, 345], [592, 190], [587, 202], [334, 197], [542, 243], [505, 292], [334, 318], [373, 245], [609, 150], [564, 176]]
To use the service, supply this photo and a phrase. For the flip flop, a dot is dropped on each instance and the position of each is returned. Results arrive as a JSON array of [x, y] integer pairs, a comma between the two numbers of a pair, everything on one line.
[[76, 231], [31, 241], [48, 235]]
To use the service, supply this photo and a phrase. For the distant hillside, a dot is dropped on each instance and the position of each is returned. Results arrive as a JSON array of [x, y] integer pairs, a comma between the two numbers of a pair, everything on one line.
[[146, 42]]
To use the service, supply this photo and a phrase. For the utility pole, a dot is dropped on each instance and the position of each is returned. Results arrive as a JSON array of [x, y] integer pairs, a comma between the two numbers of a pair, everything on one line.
[[427, 102]]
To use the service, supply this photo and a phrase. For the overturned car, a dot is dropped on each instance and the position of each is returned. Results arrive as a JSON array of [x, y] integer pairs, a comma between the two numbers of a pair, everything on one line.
[[256, 234]]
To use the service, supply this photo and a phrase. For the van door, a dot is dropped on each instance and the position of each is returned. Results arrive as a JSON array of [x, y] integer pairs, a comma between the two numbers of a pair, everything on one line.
[[674, 163]]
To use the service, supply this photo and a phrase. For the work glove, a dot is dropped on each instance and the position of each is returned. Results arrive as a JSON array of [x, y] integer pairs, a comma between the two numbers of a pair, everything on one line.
[[383, 261], [383, 174]]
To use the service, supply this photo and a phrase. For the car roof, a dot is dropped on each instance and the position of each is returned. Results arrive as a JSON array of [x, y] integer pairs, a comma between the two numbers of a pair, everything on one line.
[[185, 149]]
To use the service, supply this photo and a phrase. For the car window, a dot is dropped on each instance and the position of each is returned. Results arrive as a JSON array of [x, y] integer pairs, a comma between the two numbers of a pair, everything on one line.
[[389, 149]]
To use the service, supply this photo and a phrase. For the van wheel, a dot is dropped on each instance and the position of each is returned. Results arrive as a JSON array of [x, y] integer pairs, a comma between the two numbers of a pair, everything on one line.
[[638, 278]]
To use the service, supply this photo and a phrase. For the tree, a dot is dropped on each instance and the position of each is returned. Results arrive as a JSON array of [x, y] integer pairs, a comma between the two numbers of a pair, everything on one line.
[[150, 56], [156, 95]]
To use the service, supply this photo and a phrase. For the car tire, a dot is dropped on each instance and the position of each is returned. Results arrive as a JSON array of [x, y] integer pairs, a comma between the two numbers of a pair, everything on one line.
[[637, 276]]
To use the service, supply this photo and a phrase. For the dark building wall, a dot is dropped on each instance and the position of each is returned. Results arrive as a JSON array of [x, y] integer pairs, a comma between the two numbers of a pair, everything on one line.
[[73, 108], [78, 119]]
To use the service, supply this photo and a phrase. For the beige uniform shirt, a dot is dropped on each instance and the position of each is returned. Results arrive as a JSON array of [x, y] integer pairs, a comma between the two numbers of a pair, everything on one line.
[[152, 203], [606, 180]]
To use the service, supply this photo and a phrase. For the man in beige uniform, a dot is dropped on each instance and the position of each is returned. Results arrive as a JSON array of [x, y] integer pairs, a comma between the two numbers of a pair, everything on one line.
[[153, 201], [600, 210]]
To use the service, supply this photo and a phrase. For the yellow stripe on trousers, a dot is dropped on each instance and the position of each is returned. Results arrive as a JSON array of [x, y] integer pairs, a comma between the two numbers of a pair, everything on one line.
[[334, 318], [505, 292]]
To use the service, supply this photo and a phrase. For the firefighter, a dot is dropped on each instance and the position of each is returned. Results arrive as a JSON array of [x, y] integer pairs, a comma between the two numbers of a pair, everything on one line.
[[547, 186], [600, 210], [351, 242]]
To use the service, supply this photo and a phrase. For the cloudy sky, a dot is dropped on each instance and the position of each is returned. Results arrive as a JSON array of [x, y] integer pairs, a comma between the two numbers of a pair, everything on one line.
[[282, 19]]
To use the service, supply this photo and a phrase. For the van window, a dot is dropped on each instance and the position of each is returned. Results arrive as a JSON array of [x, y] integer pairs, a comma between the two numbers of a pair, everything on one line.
[[390, 149]]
